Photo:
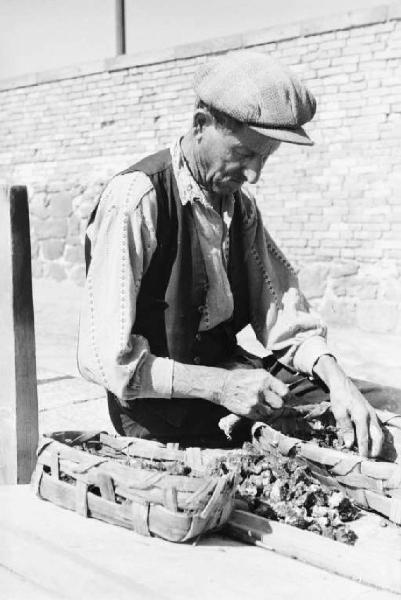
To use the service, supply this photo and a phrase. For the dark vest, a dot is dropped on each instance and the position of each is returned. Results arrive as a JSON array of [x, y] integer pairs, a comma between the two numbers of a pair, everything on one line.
[[173, 289]]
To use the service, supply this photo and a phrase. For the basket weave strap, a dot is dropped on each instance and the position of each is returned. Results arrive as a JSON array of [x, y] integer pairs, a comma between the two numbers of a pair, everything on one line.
[[346, 465], [394, 482], [285, 445], [37, 479], [81, 498], [215, 498], [276, 439], [43, 443], [193, 457], [145, 483], [90, 463], [140, 518], [85, 436]]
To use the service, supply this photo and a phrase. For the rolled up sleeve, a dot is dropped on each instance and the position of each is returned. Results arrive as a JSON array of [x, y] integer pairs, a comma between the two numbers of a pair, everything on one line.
[[282, 318], [298, 334], [123, 240]]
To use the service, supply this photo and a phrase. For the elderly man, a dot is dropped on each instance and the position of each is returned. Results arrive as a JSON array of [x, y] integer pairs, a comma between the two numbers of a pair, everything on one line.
[[179, 262]]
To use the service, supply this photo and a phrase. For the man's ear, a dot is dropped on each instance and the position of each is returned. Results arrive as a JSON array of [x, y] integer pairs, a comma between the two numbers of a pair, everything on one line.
[[201, 119]]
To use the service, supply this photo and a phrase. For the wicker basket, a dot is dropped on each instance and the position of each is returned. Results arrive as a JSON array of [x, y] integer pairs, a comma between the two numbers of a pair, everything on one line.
[[372, 484], [108, 484]]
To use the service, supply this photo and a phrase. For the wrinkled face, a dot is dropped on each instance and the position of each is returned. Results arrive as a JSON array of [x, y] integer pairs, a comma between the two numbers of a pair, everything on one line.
[[230, 158]]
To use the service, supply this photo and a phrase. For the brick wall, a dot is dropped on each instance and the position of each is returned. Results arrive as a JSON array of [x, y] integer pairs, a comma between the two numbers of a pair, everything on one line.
[[334, 208]]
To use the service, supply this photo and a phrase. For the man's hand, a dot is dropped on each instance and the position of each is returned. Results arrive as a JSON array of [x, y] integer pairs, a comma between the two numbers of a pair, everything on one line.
[[251, 393], [350, 410], [354, 415]]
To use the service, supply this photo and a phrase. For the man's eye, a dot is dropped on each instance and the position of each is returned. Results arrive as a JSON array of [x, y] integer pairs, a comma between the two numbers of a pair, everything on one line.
[[247, 155], [242, 154]]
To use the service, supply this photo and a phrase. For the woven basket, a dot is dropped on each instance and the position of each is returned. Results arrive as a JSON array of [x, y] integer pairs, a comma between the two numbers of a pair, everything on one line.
[[372, 484], [108, 486]]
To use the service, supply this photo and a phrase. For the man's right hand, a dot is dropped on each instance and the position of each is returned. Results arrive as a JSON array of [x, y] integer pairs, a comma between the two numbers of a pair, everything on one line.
[[251, 393]]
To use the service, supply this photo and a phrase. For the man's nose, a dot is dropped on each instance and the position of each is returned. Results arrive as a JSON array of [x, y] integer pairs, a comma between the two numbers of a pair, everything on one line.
[[253, 169]]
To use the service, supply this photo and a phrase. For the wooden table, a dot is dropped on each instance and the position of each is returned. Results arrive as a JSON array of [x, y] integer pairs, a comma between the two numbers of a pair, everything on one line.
[[48, 552]]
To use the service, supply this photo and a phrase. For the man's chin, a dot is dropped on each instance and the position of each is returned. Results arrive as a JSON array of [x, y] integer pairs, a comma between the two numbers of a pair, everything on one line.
[[227, 187]]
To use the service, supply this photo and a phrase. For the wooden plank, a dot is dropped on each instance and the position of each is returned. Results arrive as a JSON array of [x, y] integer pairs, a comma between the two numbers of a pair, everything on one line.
[[15, 587], [374, 531], [377, 570], [67, 553], [44, 562], [18, 393]]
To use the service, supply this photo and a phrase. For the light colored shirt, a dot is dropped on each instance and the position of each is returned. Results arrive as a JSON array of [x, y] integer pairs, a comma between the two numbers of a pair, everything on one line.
[[213, 231], [123, 240]]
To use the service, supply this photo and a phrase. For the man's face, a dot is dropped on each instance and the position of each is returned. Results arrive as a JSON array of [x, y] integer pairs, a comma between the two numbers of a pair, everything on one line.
[[230, 158]]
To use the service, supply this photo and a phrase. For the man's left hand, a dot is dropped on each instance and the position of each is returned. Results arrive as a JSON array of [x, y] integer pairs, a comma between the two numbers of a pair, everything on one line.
[[354, 416]]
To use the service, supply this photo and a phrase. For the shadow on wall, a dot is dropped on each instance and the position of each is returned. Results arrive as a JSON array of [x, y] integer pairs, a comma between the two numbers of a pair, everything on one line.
[[59, 213]]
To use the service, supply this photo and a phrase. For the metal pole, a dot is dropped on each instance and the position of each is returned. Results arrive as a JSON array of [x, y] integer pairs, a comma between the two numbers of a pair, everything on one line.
[[120, 27]]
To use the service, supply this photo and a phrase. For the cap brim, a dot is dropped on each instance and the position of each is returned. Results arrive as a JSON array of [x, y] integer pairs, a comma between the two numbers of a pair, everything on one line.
[[291, 136]]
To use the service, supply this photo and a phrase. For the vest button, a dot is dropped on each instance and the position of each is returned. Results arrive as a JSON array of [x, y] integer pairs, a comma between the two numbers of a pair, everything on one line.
[[197, 360], [198, 337], [201, 308]]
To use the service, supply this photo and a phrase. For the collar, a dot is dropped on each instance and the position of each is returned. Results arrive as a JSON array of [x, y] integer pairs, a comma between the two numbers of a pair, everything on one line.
[[189, 189]]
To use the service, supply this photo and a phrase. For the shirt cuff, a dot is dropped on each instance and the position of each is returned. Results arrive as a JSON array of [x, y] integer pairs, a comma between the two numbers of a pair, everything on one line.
[[155, 378], [309, 352]]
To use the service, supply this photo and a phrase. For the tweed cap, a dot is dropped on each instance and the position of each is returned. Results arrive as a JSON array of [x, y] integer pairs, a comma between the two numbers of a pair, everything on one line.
[[259, 92]]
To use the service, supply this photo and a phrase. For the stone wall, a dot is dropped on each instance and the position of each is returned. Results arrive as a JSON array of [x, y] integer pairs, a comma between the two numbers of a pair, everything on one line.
[[334, 208]]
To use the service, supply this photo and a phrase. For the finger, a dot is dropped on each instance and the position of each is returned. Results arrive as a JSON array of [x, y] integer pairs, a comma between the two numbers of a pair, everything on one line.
[[272, 399], [345, 430], [376, 436], [362, 433], [276, 385]]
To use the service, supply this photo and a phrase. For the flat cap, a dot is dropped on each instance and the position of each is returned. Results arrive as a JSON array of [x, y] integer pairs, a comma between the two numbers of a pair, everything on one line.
[[258, 91]]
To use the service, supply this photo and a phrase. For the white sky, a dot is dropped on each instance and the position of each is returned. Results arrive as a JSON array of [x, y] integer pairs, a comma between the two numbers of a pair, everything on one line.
[[38, 35]]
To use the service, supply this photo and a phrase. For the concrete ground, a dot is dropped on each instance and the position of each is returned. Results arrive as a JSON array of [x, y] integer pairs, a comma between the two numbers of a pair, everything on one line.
[[66, 401]]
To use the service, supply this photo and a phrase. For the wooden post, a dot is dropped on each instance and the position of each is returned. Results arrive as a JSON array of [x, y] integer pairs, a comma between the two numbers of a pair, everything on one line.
[[18, 392], [120, 27]]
